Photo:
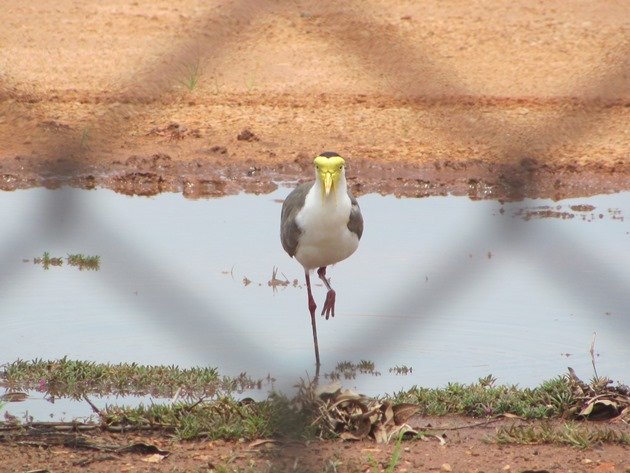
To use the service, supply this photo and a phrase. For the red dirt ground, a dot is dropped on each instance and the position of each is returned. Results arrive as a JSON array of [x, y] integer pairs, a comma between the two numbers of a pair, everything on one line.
[[465, 448], [486, 98], [481, 98]]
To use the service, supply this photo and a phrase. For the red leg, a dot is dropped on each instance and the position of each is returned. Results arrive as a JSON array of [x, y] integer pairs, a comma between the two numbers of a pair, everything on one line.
[[329, 304], [311, 308]]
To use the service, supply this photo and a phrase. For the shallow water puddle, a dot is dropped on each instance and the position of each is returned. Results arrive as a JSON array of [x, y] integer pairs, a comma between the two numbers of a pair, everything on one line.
[[452, 288]]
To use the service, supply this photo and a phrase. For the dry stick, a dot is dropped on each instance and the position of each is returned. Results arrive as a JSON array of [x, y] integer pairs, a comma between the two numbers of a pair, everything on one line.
[[192, 406], [470, 426], [593, 355], [94, 408], [90, 460], [176, 396]]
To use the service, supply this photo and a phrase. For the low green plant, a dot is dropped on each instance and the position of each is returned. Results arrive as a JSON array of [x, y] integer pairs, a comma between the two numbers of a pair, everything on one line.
[[222, 418], [349, 370], [84, 262], [191, 72], [396, 455], [394, 459], [76, 378], [202, 404], [482, 399], [77, 260], [570, 433], [47, 261], [401, 370]]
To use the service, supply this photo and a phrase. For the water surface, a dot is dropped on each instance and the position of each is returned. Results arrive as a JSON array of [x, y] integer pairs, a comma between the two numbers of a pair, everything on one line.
[[453, 288]]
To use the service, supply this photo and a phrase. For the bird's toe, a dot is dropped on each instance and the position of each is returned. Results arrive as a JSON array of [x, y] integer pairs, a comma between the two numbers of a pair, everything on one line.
[[329, 305]]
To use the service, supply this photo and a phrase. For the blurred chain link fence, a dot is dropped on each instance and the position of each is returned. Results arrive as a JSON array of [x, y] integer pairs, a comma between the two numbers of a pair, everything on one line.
[[214, 35]]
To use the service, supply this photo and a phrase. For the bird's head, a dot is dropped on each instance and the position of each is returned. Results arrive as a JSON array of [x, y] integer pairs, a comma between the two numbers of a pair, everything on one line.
[[329, 167]]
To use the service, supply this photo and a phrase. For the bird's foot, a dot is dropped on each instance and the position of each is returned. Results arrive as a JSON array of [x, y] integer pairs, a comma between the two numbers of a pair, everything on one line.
[[329, 304]]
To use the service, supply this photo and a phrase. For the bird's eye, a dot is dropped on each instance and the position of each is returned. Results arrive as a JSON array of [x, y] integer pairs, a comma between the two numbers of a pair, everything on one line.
[[340, 167]]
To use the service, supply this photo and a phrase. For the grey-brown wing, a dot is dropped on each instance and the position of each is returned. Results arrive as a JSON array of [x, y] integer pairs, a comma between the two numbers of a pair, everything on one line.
[[355, 223], [289, 230]]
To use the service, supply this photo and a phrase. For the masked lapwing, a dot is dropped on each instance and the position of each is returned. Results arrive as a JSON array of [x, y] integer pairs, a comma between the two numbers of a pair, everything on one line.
[[321, 224]]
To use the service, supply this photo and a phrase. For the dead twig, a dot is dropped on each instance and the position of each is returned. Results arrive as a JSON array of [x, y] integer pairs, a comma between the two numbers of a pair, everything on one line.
[[93, 406], [592, 351]]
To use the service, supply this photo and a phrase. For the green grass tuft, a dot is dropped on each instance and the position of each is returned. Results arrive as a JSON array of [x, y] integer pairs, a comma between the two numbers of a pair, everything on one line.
[[77, 378], [77, 260], [223, 418], [570, 433], [85, 262], [552, 398], [349, 370], [191, 73], [203, 405]]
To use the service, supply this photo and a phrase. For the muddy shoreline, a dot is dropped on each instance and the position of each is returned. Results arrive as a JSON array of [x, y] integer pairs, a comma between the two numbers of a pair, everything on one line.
[[205, 178]]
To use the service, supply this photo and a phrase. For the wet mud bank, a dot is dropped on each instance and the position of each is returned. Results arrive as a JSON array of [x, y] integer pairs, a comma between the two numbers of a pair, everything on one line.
[[219, 176]]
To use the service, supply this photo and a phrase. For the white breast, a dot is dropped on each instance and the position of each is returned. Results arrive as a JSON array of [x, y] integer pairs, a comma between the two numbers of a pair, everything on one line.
[[325, 237]]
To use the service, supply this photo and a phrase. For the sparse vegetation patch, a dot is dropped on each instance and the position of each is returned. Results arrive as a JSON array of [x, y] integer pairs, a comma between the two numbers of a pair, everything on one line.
[[75, 379], [79, 261], [203, 405]]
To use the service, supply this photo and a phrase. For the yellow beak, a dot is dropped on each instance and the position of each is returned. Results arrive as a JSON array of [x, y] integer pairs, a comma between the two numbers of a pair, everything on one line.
[[328, 182]]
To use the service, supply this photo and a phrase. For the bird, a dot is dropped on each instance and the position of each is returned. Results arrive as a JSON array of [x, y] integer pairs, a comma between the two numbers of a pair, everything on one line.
[[320, 225]]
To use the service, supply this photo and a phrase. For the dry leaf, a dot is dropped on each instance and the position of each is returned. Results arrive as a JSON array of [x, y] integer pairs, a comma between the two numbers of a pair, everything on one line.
[[404, 412], [363, 428], [143, 448], [401, 430], [155, 458], [261, 442], [380, 434], [388, 412], [509, 415], [329, 390], [442, 440], [348, 436], [600, 409], [605, 467], [354, 416]]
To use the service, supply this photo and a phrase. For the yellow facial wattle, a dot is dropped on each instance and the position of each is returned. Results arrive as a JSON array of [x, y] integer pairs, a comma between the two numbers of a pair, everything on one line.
[[329, 169]]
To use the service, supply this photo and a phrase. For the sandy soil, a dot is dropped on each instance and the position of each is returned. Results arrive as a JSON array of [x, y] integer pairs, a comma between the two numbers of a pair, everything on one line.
[[486, 98], [483, 98], [464, 448]]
